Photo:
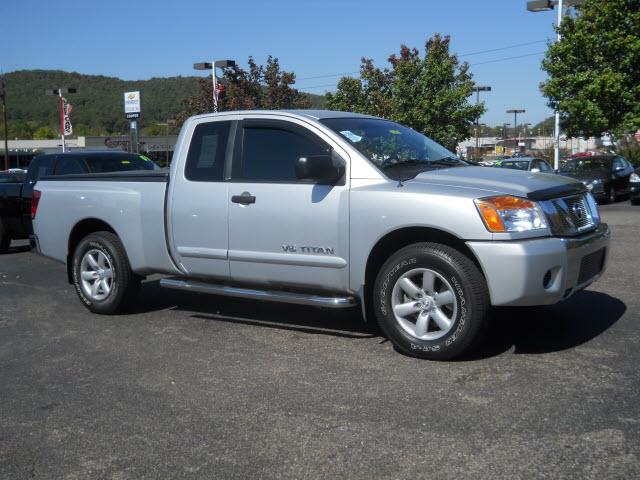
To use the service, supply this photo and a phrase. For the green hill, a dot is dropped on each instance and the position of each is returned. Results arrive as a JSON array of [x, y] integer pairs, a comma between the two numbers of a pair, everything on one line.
[[98, 104]]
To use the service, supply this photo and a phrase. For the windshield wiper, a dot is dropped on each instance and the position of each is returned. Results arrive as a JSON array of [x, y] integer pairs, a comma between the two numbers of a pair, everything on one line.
[[405, 163], [447, 161]]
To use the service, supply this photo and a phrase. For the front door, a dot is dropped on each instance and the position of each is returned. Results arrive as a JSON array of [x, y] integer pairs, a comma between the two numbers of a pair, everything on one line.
[[198, 202], [284, 231]]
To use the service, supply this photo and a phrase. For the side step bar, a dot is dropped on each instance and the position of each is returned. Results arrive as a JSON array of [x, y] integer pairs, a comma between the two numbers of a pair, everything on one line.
[[269, 295]]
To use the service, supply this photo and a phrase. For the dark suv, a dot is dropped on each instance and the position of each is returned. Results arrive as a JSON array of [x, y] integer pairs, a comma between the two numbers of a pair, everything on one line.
[[606, 176]]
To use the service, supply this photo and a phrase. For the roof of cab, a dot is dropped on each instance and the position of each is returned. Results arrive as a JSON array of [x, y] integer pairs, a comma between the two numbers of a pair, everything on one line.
[[309, 114]]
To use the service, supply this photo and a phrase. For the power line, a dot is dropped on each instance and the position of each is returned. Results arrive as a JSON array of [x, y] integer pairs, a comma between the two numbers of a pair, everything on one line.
[[330, 75], [502, 48], [504, 59]]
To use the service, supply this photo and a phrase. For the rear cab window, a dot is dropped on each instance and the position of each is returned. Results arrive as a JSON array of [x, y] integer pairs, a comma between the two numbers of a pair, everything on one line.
[[207, 152], [41, 166]]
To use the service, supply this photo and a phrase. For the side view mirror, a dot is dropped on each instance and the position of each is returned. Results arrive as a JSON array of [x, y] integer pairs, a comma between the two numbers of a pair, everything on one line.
[[322, 168], [535, 170]]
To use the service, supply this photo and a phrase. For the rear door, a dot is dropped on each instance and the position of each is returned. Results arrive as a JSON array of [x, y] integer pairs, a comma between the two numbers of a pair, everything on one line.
[[198, 202], [284, 231]]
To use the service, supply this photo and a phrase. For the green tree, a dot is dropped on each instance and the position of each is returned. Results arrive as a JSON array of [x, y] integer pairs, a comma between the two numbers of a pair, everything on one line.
[[594, 71], [429, 94], [44, 133], [263, 87]]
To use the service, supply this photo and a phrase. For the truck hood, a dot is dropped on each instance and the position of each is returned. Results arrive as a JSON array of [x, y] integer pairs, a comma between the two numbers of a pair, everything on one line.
[[501, 181]]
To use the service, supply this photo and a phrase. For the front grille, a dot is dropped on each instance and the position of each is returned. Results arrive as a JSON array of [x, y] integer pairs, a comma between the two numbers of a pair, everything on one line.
[[569, 216], [590, 266], [578, 212]]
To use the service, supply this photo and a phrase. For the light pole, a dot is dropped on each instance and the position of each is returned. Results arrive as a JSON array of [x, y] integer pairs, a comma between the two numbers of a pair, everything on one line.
[[478, 89], [58, 92], [166, 137], [542, 6], [3, 96], [515, 112], [212, 66]]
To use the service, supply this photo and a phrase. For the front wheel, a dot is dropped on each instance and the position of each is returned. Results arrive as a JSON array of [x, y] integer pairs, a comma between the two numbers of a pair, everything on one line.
[[431, 301], [102, 275]]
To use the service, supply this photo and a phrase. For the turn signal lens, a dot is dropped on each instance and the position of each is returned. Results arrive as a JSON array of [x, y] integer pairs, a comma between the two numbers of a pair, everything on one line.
[[510, 214], [35, 199]]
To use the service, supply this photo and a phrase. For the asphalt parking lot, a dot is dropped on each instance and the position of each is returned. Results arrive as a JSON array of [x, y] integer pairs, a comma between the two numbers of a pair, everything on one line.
[[193, 386]]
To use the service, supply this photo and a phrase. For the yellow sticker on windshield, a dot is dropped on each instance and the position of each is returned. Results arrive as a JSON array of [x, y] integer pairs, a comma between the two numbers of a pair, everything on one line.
[[146, 159], [395, 132], [125, 162]]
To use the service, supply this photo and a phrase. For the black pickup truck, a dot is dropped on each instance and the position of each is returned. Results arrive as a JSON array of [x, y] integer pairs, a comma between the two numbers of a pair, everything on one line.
[[16, 189]]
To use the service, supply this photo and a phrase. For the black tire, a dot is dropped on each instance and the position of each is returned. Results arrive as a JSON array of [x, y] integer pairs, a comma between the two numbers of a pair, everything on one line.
[[5, 239], [125, 285], [635, 201], [465, 281]]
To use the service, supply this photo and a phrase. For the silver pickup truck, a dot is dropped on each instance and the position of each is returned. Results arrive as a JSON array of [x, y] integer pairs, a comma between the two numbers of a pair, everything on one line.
[[329, 209]]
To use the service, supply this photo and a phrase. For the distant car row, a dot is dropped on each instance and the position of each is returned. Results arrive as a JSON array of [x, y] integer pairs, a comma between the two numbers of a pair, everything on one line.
[[16, 186], [608, 177]]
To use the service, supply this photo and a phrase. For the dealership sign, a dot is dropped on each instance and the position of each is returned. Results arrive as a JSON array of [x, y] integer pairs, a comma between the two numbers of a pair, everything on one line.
[[132, 104]]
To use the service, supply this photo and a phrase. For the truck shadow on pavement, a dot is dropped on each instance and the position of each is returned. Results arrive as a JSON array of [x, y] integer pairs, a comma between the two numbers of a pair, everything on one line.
[[525, 330], [537, 330], [345, 323], [17, 249]]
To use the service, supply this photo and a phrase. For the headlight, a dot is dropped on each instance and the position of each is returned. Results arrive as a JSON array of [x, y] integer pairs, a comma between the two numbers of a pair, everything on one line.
[[510, 214], [634, 177]]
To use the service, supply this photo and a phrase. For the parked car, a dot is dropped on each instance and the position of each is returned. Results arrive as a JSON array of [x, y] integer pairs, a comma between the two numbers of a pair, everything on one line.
[[606, 176], [329, 209], [526, 164], [16, 187], [634, 187], [11, 176]]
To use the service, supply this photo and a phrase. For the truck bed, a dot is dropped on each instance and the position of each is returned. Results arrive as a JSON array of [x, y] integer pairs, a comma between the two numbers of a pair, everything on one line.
[[130, 203]]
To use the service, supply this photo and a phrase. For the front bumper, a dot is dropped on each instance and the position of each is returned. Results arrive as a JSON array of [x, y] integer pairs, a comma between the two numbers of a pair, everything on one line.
[[542, 271], [634, 191]]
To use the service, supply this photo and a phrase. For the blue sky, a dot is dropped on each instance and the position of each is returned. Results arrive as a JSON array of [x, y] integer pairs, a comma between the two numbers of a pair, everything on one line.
[[140, 39]]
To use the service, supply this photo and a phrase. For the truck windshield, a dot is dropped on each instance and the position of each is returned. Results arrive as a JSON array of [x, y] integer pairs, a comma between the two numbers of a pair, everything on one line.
[[400, 152]]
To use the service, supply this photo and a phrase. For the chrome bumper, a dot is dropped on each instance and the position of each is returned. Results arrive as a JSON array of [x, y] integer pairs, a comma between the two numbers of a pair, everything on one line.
[[542, 271]]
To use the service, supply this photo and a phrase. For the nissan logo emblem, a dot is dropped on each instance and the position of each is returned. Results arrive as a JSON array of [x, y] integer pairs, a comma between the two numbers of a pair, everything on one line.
[[577, 211]]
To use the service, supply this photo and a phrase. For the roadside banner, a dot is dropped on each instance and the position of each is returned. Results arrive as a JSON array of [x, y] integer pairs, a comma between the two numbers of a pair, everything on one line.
[[65, 117]]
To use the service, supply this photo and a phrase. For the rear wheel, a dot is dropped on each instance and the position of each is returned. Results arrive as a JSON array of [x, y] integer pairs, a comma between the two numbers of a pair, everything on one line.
[[102, 275], [5, 239], [431, 301]]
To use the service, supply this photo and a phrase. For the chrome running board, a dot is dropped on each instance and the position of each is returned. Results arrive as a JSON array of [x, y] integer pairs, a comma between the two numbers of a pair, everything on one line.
[[269, 295]]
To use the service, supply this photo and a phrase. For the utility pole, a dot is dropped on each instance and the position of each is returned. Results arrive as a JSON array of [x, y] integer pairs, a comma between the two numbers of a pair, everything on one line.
[[3, 95], [478, 89], [541, 6]]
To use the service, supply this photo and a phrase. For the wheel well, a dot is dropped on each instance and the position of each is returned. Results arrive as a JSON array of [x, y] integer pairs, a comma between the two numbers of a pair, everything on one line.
[[394, 241], [79, 231]]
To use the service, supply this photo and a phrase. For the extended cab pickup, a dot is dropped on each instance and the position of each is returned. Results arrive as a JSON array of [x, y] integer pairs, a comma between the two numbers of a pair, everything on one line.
[[15, 195], [328, 209]]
